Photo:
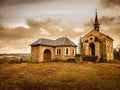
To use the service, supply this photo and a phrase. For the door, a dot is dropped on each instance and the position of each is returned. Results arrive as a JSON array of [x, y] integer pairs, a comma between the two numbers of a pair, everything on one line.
[[92, 47], [47, 54]]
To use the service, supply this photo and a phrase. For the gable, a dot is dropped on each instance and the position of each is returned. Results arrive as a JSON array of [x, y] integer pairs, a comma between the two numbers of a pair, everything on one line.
[[92, 33], [96, 34]]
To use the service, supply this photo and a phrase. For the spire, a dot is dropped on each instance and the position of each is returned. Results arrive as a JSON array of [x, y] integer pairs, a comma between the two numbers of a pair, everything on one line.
[[96, 23], [96, 17]]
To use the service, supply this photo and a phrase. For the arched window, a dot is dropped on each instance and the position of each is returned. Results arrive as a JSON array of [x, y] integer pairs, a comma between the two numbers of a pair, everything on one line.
[[73, 51], [58, 51], [66, 51]]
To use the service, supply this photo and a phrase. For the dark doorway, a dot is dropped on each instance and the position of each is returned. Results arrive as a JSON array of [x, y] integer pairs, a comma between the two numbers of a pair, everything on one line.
[[92, 47], [47, 54]]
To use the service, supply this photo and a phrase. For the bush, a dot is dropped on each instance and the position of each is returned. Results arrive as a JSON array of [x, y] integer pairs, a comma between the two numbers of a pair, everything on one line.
[[18, 61], [3, 61], [14, 62], [72, 60]]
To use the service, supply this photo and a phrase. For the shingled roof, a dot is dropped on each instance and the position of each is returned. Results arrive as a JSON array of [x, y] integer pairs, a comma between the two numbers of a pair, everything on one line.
[[64, 41]]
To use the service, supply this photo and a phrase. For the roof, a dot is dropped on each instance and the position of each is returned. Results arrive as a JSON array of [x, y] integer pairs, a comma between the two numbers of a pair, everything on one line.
[[43, 41], [64, 41], [106, 36]]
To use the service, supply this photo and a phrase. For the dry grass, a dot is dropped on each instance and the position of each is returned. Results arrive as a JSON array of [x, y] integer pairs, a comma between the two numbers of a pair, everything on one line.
[[60, 76]]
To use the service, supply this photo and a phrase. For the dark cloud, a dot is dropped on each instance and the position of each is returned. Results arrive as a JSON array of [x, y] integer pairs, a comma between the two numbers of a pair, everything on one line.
[[32, 23], [19, 2], [105, 20], [1, 19], [43, 23], [109, 3]]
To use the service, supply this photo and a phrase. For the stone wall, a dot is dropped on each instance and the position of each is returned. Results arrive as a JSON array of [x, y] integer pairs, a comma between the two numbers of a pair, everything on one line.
[[63, 56], [109, 49], [103, 48], [35, 53]]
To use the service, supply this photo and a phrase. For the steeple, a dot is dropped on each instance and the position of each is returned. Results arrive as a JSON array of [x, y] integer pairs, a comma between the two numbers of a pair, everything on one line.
[[96, 23]]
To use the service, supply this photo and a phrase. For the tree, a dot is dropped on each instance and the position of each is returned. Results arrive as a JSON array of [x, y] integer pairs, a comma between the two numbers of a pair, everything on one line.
[[80, 45], [117, 54]]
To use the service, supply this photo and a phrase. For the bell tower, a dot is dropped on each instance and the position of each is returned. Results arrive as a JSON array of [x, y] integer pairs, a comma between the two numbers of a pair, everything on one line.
[[96, 23]]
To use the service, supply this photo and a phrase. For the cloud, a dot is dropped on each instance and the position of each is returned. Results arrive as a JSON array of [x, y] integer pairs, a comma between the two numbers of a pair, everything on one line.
[[19, 2], [1, 19], [19, 38], [33, 24], [105, 20], [109, 3]]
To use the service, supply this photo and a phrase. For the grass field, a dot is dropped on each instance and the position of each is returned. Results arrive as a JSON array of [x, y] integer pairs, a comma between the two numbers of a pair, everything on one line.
[[60, 76]]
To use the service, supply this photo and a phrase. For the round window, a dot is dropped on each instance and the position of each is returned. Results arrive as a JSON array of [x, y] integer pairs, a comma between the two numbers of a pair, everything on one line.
[[91, 38]]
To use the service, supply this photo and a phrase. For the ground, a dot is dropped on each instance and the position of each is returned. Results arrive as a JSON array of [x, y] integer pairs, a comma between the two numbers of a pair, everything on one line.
[[60, 76]]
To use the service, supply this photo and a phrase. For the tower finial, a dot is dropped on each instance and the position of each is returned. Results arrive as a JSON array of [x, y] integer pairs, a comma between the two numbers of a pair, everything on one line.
[[96, 23]]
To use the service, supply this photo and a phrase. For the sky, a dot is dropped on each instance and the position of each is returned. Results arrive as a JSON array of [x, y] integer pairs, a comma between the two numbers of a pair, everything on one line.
[[24, 21]]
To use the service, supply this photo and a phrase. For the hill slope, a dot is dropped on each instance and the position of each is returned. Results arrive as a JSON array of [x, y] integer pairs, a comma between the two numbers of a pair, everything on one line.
[[60, 76]]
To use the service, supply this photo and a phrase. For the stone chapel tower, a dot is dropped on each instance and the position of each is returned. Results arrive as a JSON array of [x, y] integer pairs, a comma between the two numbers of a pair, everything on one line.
[[97, 45]]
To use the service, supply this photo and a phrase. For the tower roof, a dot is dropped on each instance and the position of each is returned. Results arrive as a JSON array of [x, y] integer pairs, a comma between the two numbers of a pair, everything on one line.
[[96, 22], [96, 18]]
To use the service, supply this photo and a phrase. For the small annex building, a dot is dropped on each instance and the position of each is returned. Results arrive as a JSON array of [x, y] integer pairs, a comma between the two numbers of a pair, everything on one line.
[[59, 49], [97, 44]]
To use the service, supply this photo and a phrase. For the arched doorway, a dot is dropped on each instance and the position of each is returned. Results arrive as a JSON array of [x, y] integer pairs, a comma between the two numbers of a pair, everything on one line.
[[47, 54], [92, 49]]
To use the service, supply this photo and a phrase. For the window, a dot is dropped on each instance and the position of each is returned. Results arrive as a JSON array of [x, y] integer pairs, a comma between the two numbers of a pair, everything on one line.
[[58, 51], [107, 48], [73, 51], [66, 51], [91, 38]]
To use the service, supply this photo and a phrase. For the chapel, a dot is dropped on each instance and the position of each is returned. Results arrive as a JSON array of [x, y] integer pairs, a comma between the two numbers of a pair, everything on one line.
[[97, 44], [47, 49]]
